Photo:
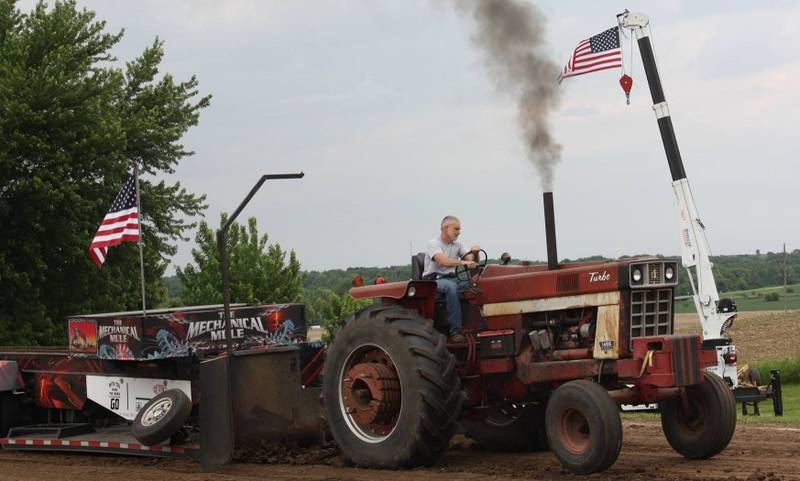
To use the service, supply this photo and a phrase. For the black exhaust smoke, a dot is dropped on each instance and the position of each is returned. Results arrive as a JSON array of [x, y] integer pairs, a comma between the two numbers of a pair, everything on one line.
[[550, 231]]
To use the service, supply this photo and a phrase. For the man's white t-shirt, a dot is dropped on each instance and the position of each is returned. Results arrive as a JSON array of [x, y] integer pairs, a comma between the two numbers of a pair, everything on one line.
[[453, 250]]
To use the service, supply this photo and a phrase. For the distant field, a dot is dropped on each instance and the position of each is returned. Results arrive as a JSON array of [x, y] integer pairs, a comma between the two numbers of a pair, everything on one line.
[[759, 336], [753, 299]]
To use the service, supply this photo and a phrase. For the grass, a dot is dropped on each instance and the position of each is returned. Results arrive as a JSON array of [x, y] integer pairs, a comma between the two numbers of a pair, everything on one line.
[[790, 369], [753, 299], [791, 411]]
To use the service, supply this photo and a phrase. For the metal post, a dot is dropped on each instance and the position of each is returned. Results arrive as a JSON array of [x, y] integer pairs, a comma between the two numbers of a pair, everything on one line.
[[226, 290], [218, 436], [777, 391], [141, 251], [785, 288], [221, 238]]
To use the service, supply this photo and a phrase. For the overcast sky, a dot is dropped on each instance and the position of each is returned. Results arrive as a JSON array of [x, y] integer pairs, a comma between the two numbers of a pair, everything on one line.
[[388, 109]]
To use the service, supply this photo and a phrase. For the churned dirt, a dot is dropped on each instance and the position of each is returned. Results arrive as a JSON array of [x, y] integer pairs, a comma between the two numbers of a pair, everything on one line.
[[757, 453], [758, 335]]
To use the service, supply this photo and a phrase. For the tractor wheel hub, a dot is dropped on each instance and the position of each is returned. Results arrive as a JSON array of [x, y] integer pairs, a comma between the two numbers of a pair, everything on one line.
[[371, 395]]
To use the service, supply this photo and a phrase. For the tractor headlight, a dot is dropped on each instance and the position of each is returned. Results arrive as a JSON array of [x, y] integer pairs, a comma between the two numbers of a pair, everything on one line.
[[637, 274], [411, 291], [669, 273]]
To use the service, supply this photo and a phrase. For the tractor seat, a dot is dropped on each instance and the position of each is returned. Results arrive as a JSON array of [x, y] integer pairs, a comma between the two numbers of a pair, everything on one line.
[[417, 266], [439, 314]]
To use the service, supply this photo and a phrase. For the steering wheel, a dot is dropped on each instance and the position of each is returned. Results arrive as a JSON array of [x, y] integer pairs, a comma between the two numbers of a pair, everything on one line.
[[481, 264]]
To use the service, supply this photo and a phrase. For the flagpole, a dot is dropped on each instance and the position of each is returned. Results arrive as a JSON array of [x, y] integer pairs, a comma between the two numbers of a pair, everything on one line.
[[141, 252]]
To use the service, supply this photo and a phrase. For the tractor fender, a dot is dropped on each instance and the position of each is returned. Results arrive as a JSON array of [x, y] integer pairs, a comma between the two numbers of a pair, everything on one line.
[[417, 295], [396, 290], [9, 376]]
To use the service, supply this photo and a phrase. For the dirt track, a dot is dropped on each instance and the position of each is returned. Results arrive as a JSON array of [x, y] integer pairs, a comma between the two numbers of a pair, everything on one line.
[[757, 453]]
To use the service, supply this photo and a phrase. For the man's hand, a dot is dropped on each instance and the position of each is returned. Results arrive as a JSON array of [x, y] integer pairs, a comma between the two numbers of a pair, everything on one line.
[[470, 264], [472, 254]]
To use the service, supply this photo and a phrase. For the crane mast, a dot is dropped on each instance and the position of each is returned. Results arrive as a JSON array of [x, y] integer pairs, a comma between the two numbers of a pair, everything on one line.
[[716, 315]]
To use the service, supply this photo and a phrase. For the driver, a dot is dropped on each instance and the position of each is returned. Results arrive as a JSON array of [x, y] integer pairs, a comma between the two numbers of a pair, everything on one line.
[[443, 255]]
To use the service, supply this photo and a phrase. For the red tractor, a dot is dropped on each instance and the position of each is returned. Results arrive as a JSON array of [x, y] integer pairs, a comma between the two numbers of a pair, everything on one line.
[[551, 353]]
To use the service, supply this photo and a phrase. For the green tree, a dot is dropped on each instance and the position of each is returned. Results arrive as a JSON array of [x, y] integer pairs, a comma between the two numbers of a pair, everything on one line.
[[328, 309], [259, 272], [72, 123]]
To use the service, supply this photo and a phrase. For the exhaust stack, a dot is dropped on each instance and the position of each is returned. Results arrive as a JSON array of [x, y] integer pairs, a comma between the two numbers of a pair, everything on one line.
[[550, 231]]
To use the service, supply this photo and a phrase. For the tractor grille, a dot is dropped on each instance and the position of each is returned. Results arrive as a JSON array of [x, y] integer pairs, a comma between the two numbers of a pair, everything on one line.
[[651, 312], [655, 274]]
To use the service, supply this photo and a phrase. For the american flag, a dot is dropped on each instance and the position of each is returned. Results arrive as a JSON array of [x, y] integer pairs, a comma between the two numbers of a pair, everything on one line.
[[121, 224], [596, 53]]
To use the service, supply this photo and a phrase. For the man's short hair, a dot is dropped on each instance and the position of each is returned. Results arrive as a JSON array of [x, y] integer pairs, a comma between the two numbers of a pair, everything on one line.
[[448, 218]]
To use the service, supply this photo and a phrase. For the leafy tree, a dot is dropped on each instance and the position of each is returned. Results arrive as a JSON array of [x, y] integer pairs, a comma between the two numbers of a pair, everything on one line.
[[328, 309], [173, 286], [259, 272], [72, 123]]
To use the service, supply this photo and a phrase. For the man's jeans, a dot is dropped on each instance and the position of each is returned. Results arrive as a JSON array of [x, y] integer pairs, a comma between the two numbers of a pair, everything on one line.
[[450, 286]]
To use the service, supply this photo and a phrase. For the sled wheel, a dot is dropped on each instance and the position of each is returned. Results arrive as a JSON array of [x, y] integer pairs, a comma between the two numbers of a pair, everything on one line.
[[161, 417], [583, 427], [391, 390], [702, 425]]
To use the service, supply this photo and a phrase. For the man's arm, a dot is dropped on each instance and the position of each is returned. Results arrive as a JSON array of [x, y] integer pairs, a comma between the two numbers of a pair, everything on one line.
[[471, 254], [445, 261]]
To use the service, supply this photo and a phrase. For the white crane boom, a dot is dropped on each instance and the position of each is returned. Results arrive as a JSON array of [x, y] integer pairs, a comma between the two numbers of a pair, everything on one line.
[[716, 315]]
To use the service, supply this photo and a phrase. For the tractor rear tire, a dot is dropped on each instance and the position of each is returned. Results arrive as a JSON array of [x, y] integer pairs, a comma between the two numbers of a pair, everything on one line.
[[704, 428], [161, 417], [583, 427], [391, 390], [518, 432]]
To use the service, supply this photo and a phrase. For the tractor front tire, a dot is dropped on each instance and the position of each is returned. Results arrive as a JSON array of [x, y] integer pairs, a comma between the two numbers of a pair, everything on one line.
[[390, 388], [583, 427], [703, 425], [510, 429]]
